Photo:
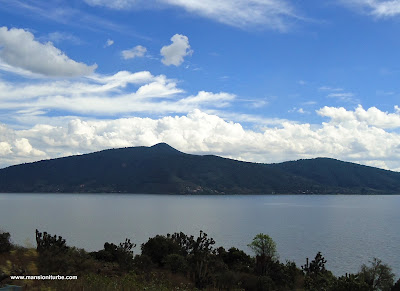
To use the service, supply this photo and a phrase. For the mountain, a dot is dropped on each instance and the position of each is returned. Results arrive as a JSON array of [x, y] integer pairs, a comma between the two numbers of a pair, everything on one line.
[[165, 170]]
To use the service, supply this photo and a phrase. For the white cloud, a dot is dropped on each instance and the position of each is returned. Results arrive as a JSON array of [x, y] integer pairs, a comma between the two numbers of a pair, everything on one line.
[[371, 117], [357, 136], [376, 8], [121, 93], [5, 148], [23, 147], [219, 100], [241, 13], [19, 50], [109, 42], [273, 14], [174, 53], [136, 52]]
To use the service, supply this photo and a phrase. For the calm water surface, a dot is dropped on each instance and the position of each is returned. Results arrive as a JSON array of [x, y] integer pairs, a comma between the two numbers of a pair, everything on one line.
[[348, 230]]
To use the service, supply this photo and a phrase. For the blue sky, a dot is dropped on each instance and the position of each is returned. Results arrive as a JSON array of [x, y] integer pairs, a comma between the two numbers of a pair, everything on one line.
[[256, 80]]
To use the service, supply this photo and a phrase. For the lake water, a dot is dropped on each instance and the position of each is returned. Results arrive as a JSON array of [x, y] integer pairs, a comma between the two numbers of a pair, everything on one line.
[[348, 230]]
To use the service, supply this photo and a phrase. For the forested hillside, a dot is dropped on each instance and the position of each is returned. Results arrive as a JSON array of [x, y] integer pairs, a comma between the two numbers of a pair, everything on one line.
[[164, 170]]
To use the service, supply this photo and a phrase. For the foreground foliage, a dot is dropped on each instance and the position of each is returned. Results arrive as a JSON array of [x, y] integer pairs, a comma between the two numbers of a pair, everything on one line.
[[178, 262]]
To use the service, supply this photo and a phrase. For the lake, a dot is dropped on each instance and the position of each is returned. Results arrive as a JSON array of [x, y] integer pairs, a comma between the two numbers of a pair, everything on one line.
[[348, 230]]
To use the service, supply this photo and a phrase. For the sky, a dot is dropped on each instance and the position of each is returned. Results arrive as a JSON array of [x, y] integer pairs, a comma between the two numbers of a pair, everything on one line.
[[255, 80]]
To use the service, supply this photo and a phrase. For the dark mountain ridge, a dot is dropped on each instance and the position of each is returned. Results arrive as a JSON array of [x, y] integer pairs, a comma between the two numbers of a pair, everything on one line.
[[165, 170]]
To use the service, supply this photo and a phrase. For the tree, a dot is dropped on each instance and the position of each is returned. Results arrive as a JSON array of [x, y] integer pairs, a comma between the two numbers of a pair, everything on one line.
[[378, 276], [158, 247], [236, 260], [317, 277], [266, 255], [263, 245], [317, 266]]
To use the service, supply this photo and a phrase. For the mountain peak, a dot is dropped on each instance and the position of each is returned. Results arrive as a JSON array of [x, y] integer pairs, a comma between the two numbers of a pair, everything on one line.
[[164, 148]]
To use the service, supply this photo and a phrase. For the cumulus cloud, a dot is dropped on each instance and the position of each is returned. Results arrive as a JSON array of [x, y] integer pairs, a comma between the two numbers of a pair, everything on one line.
[[376, 8], [274, 14], [357, 136], [23, 147], [5, 148], [20, 51], [371, 117], [174, 53], [137, 51]]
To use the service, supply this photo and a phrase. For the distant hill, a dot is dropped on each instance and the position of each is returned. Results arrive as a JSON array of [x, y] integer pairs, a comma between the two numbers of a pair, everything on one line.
[[165, 170]]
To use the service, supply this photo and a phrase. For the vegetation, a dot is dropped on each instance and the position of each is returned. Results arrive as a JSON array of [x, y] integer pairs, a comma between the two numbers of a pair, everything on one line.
[[5, 244], [178, 262], [162, 169], [263, 245], [377, 275]]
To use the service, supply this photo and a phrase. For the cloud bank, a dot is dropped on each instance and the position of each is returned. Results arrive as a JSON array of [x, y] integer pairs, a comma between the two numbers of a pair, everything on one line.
[[358, 136]]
